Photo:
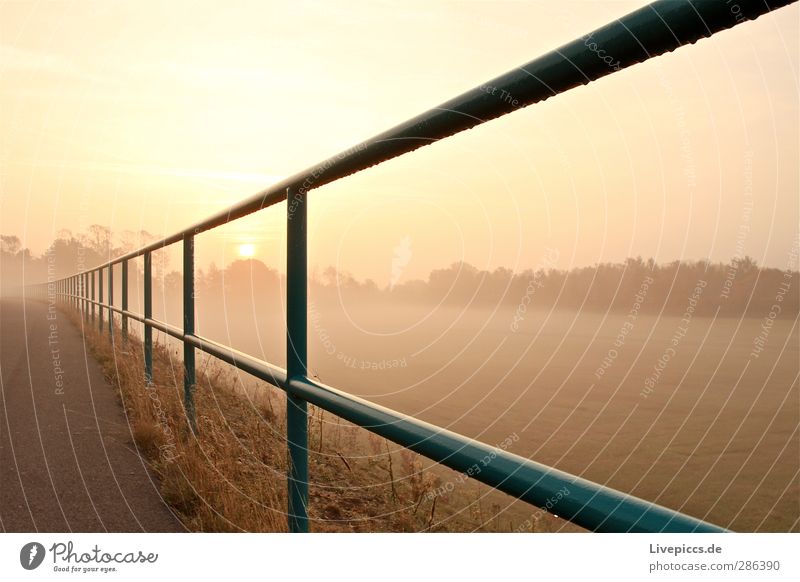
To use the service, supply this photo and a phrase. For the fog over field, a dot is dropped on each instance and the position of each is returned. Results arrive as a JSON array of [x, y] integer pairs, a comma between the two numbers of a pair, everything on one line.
[[677, 383], [701, 420]]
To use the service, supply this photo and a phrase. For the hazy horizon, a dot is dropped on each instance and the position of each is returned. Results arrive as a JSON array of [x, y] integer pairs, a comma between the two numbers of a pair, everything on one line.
[[123, 243], [693, 155]]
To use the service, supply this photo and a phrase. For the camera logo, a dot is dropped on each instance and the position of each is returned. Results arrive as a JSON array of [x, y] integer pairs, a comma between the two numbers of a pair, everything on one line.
[[31, 555]]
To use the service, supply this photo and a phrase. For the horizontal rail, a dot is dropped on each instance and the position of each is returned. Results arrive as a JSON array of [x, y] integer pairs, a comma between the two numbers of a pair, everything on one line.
[[650, 31], [590, 505], [653, 30], [253, 366]]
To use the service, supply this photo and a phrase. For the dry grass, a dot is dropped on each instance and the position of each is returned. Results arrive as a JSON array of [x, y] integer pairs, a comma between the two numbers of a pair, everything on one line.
[[231, 476]]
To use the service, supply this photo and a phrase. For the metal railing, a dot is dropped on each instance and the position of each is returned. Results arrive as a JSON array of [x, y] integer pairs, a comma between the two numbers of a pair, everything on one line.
[[650, 31]]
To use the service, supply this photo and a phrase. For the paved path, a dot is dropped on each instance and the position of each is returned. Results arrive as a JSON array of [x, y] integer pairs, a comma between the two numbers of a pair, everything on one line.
[[67, 459]]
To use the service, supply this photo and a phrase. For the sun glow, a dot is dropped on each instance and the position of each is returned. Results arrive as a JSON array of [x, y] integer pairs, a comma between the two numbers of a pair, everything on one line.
[[247, 250]]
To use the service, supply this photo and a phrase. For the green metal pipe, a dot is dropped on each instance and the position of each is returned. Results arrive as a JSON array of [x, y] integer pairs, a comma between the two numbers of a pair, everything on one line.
[[148, 314], [100, 298], [111, 302], [254, 366], [590, 505], [189, 379], [124, 301], [93, 293], [296, 357]]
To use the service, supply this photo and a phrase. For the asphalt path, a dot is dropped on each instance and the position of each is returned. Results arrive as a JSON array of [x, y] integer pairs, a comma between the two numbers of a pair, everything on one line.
[[67, 458]]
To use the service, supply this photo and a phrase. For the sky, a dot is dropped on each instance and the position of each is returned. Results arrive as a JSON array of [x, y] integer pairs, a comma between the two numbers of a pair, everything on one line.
[[153, 115]]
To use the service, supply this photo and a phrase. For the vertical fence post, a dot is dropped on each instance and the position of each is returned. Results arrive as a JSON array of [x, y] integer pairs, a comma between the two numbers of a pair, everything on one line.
[[111, 302], [85, 295], [124, 301], [100, 298], [296, 357], [188, 329], [93, 296], [148, 314]]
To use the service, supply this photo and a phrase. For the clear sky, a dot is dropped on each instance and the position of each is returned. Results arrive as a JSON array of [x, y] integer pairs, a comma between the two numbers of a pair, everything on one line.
[[152, 115]]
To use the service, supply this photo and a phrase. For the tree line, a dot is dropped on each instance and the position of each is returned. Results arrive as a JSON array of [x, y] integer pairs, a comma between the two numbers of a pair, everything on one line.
[[738, 288]]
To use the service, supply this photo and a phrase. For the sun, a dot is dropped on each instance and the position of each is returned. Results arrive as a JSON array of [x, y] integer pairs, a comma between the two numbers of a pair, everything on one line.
[[247, 250]]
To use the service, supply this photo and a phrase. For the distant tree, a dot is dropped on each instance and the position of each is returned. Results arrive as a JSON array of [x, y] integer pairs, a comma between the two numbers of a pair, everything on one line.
[[129, 241], [10, 244], [747, 264], [99, 239]]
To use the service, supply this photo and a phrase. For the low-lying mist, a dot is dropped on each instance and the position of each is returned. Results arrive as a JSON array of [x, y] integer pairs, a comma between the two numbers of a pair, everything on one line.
[[675, 382]]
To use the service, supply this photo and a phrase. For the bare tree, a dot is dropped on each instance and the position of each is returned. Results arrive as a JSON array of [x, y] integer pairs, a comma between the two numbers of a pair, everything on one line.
[[99, 239], [10, 244]]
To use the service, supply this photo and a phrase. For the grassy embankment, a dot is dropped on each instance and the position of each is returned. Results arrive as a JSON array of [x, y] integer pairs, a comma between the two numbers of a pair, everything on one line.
[[232, 475]]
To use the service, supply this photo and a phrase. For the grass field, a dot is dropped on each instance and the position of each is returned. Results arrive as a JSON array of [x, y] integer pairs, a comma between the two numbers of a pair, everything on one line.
[[683, 413]]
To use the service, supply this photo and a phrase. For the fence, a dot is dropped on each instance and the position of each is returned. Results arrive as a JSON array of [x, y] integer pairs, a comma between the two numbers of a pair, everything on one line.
[[650, 31]]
